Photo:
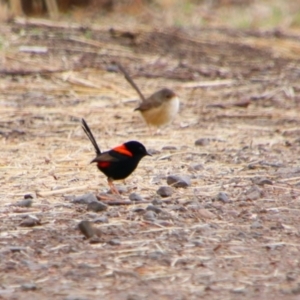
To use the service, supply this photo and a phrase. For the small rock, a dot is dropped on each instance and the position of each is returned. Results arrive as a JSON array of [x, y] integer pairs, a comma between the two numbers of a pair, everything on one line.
[[97, 206], [28, 287], [164, 223], [275, 246], [30, 221], [86, 229], [85, 199], [256, 225], [102, 219], [202, 142], [206, 214], [264, 181], [155, 255], [168, 148], [165, 191], [297, 141], [28, 196], [73, 297], [112, 68], [138, 210], [154, 208], [239, 290], [198, 242], [253, 193], [252, 166], [114, 242], [261, 181], [134, 297], [135, 197], [95, 240], [153, 151], [223, 197], [17, 248], [157, 201], [150, 216], [178, 181], [178, 207], [24, 203], [291, 276], [196, 167]]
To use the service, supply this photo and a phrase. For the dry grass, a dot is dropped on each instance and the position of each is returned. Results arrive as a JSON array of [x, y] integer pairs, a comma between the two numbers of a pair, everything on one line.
[[197, 247]]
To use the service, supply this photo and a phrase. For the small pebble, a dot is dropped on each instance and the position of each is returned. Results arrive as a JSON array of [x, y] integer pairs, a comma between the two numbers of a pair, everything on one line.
[[206, 214], [178, 207], [198, 242], [102, 219], [73, 297], [24, 203], [168, 148], [150, 216], [256, 225], [264, 181], [97, 206], [112, 68], [85, 199], [114, 242], [156, 201], [165, 191], [17, 248], [28, 196], [239, 290], [202, 142], [95, 240], [30, 221], [291, 276], [153, 151], [138, 210], [179, 181], [28, 287], [196, 167], [135, 197], [86, 229], [156, 209], [253, 193], [134, 297], [223, 197]]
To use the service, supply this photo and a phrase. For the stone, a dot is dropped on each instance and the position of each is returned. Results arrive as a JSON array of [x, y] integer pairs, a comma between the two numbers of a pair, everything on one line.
[[85, 199], [97, 206], [179, 181]]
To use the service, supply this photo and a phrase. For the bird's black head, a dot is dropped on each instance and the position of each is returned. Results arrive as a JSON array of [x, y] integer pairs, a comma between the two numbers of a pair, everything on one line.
[[136, 148]]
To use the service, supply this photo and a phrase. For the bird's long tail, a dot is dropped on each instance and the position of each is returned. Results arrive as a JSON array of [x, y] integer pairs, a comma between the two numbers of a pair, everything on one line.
[[89, 134]]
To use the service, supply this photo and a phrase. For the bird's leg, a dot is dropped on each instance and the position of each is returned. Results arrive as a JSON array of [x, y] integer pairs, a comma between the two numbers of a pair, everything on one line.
[[112, 187]]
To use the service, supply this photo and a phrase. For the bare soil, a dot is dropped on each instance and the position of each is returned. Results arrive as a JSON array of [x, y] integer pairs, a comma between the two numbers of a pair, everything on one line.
[[239, 91]]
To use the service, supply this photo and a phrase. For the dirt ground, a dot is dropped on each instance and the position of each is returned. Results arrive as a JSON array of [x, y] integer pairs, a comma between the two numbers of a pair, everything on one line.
[[233, 233]]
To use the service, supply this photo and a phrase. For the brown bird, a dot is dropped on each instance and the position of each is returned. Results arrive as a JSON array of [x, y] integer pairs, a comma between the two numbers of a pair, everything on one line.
[[119, 162], [160, 108]]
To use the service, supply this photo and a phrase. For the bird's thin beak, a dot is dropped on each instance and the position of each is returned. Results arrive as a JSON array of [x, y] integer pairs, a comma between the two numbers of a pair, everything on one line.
[[148, 154], [94, 160]]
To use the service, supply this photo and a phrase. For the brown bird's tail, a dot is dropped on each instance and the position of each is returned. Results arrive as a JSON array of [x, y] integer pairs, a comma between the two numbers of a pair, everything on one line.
[[89, 134]]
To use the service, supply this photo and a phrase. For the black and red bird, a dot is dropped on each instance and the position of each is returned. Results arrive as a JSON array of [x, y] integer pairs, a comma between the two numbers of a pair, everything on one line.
[[119, 162]]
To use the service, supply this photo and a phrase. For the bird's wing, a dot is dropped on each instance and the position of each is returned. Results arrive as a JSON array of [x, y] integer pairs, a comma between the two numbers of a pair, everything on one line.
[[105, 157], [150, 102]]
